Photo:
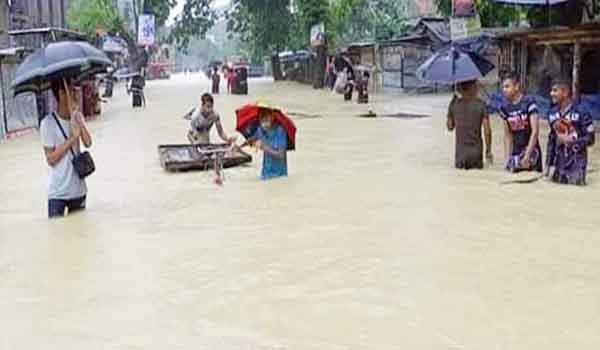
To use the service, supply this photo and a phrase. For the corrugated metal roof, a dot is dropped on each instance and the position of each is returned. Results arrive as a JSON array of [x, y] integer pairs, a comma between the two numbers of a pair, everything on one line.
[[11, 51], [361, 44]]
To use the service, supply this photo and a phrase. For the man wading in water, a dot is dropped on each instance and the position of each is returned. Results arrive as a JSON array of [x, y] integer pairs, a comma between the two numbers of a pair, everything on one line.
[[571, 133], [467, 115], [65, 188], [521, 128], [203, 118]]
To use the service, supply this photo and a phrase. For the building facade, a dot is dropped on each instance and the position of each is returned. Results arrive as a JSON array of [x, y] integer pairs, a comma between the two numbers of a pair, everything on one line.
[[20, 113], [26, 14]]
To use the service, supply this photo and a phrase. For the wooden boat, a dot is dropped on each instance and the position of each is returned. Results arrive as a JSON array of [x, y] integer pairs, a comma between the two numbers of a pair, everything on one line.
[[186, 157]]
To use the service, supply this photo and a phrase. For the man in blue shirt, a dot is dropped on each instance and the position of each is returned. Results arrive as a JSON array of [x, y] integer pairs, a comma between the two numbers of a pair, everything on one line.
[[271, 138], [571, 133], [521, 128]]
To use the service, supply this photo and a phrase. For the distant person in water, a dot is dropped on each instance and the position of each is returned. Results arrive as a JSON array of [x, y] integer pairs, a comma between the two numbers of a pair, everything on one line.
[[467, 116], [521, 128], [216, 80], [202, 120], [571, 133], [271, 138]]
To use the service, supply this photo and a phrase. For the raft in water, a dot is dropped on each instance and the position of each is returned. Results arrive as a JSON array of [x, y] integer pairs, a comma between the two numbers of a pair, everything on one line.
[[185, 157]]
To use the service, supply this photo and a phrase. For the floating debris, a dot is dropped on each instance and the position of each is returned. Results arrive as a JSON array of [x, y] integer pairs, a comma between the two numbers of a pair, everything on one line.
[[301, 115], [372, 114], [522, 181]]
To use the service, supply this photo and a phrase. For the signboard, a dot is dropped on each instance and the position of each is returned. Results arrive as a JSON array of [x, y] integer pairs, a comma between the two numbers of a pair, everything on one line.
[[465, 27], [317, 35], [146, 30]]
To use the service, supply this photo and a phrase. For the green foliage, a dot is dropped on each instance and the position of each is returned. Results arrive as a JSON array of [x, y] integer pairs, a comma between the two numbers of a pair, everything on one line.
[[87, 15], [568, 13], [492, 14], [357, 20], [271, 25], [160, 9], [264, 25], [195, 20]]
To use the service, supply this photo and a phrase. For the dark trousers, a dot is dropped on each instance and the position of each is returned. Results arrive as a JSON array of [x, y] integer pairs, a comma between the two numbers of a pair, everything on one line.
[[56, 207], [348, 92], [138, 99], [215, 85]]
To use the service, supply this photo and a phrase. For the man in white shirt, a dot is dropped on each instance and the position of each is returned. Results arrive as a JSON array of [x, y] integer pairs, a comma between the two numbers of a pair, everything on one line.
[[66, 190]]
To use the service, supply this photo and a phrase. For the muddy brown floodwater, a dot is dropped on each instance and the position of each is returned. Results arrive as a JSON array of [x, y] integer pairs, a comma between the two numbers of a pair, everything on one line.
[[374, 241]]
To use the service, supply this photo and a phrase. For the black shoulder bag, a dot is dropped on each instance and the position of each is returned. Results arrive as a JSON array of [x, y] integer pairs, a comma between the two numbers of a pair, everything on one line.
[[82, 162]]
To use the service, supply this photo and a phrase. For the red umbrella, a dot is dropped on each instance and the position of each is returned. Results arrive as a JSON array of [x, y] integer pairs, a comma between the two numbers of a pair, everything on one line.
[[248, 123]]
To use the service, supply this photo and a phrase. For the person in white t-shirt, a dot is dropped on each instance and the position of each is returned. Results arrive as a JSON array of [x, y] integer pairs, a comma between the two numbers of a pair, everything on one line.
[[66, 191]]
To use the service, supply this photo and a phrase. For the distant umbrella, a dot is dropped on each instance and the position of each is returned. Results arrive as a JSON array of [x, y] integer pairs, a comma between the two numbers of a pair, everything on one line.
[[60, 60], [452, 65]]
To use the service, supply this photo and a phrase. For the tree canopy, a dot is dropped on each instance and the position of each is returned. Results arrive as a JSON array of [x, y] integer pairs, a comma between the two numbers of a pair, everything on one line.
[[264, 25], [88, 15]]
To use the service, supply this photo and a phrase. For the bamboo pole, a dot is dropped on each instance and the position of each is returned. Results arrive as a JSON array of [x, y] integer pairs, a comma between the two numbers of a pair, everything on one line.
[[4, 116], [571, 41], [523, 73], [576, 68]]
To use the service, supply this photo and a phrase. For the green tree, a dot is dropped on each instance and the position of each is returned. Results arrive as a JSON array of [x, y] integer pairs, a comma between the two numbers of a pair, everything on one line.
[[492, 14], [161, 9], [264, 25], [194, 21], [87, 15], [309, 13], [354, 20]]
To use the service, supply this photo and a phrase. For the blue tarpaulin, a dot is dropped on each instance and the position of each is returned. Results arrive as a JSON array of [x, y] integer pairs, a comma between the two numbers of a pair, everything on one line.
[[590, 102]]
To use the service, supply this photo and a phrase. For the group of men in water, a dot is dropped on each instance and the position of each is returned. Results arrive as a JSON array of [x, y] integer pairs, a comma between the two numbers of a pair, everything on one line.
[[571, 131]]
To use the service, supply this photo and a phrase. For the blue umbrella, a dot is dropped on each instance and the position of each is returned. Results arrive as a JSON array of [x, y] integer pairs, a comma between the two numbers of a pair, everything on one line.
[[453, 65], [65, 59]]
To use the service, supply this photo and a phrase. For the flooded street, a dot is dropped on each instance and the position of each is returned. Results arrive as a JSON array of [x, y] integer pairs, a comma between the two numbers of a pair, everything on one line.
[[374, 241]]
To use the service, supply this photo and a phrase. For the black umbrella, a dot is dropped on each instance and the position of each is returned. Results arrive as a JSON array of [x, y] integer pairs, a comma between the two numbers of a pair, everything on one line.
[[452, 65], [60, 60]]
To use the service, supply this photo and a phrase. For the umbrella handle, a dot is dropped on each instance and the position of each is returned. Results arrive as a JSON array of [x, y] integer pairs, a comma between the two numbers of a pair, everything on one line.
[[69, 101]]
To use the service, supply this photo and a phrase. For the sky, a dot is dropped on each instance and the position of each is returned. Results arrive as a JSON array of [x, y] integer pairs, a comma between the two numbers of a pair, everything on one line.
[[179, 7]]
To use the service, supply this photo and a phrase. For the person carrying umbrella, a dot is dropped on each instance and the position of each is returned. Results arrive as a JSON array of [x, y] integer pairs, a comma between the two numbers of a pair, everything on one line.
[[53, 67], [467, 115], [62, 132], [521, 128], [216, 80], [270, 131]]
